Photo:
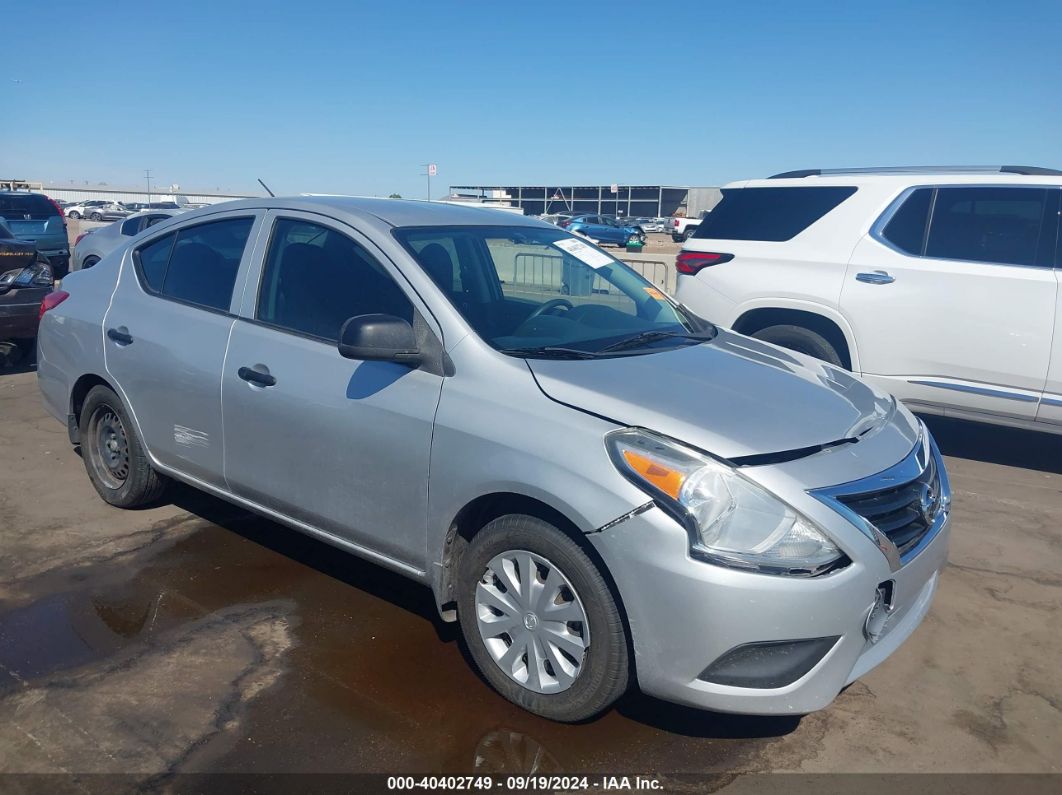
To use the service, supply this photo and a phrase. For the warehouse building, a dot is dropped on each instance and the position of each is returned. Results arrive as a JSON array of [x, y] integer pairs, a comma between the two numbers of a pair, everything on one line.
[[72, 192], [654, 201]]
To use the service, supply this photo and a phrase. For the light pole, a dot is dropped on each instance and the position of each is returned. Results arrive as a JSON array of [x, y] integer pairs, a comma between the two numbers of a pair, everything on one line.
[[147, 175], [430, 169]]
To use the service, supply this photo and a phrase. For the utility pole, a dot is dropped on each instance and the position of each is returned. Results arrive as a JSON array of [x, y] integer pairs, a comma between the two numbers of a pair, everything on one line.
[[430, 169], [147, 175]]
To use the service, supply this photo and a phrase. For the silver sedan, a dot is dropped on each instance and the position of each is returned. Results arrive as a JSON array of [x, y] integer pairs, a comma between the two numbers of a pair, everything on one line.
[[600, 487], [94, 244]]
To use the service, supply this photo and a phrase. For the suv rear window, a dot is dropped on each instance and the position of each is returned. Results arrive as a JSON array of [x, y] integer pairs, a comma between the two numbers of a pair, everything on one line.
[[770, 214], [16, 207]]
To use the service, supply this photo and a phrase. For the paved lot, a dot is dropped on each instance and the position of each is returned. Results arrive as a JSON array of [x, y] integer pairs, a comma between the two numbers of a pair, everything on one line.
[[195, 637]]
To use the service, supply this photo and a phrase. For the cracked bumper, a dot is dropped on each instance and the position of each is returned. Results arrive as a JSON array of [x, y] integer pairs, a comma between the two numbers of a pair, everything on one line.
[[684, 614]]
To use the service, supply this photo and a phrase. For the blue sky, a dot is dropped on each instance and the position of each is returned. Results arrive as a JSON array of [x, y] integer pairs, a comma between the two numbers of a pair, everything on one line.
[[351, 97]]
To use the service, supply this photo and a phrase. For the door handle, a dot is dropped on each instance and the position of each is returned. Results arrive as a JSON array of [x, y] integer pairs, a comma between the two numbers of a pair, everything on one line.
[[120, 335], [875, 277], [256, 377]]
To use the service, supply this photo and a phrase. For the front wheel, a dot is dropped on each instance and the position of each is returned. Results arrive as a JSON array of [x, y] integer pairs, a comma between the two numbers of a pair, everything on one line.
[[75, 215], [114, 458], [540, 621]]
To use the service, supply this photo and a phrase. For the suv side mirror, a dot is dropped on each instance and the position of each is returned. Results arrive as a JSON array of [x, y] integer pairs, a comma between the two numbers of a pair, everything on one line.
[[381, 338]]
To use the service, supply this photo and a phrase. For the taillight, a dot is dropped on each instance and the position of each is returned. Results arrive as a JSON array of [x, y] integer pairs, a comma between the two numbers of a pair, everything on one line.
[[78, 239], [675, 223], [565, 224], [691, 262], [58, 209], [51, 301]]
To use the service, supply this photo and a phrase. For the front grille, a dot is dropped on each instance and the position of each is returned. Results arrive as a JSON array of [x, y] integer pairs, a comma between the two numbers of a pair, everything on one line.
[[903, 513]]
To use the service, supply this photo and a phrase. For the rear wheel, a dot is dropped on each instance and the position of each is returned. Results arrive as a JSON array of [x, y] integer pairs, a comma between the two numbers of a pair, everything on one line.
[[801, 340], [540, 621], [689, 232], [96, 217], [114, 458], [89, 262]]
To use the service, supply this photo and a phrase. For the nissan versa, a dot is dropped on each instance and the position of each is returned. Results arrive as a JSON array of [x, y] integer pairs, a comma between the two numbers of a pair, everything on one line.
[[601, 487]]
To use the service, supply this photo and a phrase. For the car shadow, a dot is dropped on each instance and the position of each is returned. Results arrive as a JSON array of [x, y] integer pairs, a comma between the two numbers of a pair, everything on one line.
[[13, 360], [419, 601], [996, 444]]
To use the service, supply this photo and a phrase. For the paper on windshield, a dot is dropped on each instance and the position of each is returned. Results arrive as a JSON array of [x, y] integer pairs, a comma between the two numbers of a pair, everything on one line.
[[584, 253]]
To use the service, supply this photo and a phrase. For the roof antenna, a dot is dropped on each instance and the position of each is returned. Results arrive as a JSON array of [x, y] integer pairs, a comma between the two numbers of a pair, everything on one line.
[[273, 195]]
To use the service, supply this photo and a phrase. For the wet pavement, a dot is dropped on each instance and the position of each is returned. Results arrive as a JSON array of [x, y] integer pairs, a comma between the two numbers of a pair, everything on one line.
[[197, 637]]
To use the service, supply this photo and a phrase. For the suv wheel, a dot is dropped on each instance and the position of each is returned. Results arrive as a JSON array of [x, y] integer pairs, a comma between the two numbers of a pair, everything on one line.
[[539, 620], [114, 458], [801, 340]]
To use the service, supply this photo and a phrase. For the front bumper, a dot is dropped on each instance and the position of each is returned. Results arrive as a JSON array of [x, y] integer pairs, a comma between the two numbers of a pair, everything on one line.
[[685, 614]]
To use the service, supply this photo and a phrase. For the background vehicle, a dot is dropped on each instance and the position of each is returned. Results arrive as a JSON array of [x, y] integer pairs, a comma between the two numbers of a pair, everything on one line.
[[108, 211], [25, 278], [35, 218], [94, 244], [648, 224], [506, 417], [604, 229], [683, 228], [83, 209], [939, 285]]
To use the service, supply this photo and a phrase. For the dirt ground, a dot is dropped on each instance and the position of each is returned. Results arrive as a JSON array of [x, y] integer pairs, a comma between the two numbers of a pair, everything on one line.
[[196, 637]]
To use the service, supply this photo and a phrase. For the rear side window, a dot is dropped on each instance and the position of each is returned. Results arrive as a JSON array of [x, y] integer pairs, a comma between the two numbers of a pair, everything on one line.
[[196, 265], [131, 227], [907, 228], [987, 224], [17, 206], [769, 214]]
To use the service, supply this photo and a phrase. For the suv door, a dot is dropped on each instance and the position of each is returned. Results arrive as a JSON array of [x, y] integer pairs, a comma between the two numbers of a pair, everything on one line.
[[337, 444], [166, 332], [952, 298]]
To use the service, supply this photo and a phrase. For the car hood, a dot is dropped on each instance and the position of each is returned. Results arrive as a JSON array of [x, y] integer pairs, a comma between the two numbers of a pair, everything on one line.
[[733, 396]]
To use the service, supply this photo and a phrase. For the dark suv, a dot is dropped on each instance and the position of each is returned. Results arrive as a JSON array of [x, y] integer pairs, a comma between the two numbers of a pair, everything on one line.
[[35, 218]]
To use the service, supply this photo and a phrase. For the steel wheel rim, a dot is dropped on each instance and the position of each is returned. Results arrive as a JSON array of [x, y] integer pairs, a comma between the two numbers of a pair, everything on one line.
[[532, 622], [109, 447]]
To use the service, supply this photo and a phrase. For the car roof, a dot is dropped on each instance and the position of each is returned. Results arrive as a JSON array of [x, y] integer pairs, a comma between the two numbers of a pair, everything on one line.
[[393, 212], [901, 179]]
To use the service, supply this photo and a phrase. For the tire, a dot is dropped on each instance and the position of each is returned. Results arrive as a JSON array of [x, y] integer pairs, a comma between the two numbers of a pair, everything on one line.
[[601, 672], [89, 262], [122, 475], [75, 215], [96, 217], [801, 340], [688, 233]]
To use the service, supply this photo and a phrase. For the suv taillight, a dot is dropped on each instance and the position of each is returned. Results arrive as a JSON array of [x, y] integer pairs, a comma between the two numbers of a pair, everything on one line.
[[58, 209], [51, 301], [692, 262]]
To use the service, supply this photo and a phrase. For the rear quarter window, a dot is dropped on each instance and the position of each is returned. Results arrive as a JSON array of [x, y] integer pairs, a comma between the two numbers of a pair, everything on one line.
[[769, 214]]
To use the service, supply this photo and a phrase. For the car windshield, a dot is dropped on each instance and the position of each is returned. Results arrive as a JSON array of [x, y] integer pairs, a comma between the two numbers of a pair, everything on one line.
[[531, 291]]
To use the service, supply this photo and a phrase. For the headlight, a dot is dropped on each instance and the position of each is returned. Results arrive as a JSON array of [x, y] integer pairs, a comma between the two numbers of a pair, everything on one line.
[[732, 520]]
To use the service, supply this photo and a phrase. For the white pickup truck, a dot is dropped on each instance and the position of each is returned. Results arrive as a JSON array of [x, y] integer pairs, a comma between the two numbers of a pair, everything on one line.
[[682, 228]]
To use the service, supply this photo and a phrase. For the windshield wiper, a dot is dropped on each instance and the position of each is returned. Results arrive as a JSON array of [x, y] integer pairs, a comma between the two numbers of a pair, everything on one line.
[[550, 352], [652, 336]]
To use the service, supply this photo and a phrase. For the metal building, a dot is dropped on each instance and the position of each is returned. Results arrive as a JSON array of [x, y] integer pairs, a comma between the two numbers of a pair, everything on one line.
[[626, 200], [72, 192]]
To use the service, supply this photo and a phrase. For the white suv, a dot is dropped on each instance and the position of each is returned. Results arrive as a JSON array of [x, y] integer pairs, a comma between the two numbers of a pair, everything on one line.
[[939, 285]]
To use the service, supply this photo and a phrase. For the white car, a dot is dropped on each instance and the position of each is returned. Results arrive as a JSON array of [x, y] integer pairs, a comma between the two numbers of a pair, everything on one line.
[[91, 246], [939, 285]]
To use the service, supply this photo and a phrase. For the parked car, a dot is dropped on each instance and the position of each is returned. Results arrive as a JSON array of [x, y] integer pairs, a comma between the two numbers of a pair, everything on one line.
[[25, 278], [93, 244], [935, 285], [682, 228], [604, 229], [82, 209], [35, 218], [648, 224], [583, 472]]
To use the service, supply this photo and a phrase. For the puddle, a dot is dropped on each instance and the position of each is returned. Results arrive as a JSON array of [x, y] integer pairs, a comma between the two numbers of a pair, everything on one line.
[[371, 681]]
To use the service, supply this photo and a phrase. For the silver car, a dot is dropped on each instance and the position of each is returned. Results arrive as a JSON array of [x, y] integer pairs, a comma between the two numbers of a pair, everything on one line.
[[599, 486], [93, 244]]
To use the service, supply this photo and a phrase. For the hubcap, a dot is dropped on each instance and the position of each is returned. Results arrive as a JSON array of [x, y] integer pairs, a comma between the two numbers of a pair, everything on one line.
[[532, 621], [110, 451]]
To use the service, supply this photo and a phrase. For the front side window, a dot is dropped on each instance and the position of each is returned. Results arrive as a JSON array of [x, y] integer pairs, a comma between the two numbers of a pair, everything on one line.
[[197, 264], [985, 224], [316, 278], [769, 214], [539, 291]]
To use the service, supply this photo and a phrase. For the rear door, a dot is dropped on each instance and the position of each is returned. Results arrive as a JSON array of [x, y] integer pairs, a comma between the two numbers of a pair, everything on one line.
[[1050, 410], [952, 297], [166, 333]]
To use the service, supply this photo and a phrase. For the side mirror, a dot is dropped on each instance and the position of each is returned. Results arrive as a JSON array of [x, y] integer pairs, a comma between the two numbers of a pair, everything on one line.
[[381, 338]]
